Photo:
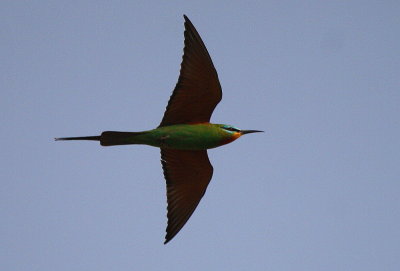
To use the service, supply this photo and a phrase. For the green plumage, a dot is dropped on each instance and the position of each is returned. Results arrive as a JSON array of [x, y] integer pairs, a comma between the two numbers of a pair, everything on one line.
[[179, 137]]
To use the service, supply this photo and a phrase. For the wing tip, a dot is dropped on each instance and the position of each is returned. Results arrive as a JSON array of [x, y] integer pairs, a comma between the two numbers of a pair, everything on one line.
[[187, 20], [169, 236], [167, 240]]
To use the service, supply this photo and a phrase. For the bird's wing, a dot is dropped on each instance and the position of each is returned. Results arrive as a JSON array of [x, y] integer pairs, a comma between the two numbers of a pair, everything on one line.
[[198, 90], [188, 174]]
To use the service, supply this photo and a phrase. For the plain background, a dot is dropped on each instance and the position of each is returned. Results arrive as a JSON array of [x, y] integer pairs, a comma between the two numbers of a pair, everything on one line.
[[318, 191]]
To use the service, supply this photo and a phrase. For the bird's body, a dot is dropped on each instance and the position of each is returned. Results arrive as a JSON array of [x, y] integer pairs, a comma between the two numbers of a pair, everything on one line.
[[185, 132], [199, 136]]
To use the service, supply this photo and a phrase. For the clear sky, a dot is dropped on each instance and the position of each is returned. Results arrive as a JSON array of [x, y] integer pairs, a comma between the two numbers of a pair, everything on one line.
[[318, 191]]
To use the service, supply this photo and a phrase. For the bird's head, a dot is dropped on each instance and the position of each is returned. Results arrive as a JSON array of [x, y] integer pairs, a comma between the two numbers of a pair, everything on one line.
[[232, 133]]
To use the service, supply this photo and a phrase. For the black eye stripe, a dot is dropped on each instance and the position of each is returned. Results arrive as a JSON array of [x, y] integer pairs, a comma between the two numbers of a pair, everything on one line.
[[231, 129]]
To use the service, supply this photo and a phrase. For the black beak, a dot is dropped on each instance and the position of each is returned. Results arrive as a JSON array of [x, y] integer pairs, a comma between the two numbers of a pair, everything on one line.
[[243, 132]]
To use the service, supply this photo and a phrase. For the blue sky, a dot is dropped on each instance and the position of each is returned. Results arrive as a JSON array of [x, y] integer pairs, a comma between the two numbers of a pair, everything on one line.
[[318, 191]]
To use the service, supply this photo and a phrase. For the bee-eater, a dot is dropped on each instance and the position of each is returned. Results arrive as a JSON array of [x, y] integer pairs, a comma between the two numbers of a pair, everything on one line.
[[185, 132]]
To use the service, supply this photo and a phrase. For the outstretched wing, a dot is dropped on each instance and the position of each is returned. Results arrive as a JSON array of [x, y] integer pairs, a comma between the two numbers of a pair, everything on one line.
[[198, 90], [188, 174]]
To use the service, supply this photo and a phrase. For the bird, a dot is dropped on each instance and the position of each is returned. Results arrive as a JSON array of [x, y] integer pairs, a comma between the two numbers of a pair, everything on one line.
[[185, 132]]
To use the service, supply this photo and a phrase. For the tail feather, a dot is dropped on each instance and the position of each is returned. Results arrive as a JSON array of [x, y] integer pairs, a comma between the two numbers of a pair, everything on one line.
[[109, 138], [95, 138]]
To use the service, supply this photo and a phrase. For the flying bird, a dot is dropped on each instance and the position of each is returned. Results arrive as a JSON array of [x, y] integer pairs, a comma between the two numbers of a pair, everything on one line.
[[185, 132]]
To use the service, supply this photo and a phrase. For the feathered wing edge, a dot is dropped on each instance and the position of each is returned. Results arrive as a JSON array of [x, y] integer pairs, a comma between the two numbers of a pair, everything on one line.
[[187, 174]]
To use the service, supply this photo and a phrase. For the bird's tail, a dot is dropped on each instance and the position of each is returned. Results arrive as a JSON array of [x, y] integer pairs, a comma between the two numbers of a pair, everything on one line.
[[95, 138], [109, 138]]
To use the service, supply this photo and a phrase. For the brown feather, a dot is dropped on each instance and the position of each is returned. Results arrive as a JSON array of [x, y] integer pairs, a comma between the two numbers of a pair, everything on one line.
[[187, 174], [198, 90]]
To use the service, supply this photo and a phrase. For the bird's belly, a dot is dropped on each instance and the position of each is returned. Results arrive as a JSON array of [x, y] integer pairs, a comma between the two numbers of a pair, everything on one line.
[[186, 140]]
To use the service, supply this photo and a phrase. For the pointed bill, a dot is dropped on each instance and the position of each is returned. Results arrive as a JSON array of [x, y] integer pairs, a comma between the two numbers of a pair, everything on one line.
[[243, 132], [198, 90], [188, 174]]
